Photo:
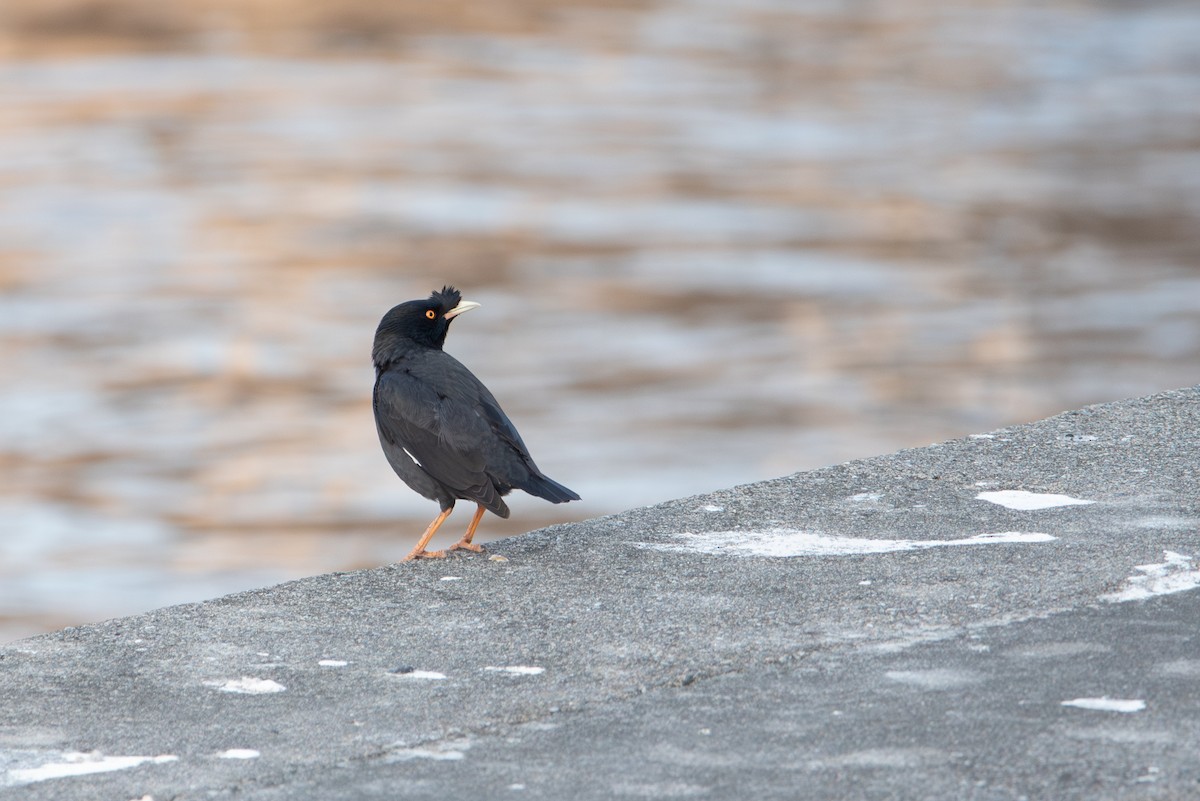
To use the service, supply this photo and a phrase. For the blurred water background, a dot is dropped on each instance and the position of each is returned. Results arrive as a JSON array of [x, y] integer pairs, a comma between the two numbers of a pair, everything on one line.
[[715, 242]]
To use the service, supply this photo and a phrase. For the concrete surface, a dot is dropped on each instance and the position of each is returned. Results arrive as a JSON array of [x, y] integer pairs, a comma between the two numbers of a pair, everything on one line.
[[873, 630]]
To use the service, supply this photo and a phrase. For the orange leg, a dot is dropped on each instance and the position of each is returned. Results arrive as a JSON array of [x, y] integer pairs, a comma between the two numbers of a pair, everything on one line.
[[419, 552], [465, 542]]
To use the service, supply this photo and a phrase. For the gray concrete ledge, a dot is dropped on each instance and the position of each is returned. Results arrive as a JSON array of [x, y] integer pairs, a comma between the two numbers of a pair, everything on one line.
[[874, 630]]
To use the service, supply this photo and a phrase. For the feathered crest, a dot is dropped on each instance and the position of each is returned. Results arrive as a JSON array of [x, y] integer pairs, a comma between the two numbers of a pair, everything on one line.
[[446, 299]]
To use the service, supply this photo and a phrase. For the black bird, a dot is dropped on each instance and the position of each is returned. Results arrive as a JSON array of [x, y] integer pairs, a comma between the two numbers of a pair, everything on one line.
[[440, 427]]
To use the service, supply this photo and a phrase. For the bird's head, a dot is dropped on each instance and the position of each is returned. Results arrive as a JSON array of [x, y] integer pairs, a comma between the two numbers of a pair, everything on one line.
[[420, 322]]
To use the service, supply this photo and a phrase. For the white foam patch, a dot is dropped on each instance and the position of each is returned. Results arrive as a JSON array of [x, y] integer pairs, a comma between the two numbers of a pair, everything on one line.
[[1178, 573], [786, 542], [248, 685], [1106, 704], [1030, 501], [74, 763], [517, 670], [333, 663], [239, 753]]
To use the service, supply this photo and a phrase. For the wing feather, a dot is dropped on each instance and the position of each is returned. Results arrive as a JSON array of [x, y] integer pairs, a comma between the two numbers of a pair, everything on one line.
[[446, 419], [444, 434]]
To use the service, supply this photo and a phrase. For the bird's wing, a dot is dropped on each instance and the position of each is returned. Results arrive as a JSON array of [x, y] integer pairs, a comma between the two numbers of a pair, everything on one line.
[[502, 427], [441, 430]]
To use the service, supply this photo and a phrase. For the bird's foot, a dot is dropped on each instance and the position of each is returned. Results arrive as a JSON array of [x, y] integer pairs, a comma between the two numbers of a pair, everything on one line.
[[466, 546], [423, 554]]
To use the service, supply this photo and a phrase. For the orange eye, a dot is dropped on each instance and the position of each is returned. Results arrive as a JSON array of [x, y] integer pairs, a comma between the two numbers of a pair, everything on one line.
[[431, 314]]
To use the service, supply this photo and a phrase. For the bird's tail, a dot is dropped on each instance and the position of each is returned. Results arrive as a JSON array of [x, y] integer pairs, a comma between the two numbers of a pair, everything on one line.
[[549, 489]]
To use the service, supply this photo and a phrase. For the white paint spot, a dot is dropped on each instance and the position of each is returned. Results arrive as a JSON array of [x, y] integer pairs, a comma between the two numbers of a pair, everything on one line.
[[881, 758], [239, 753], [1029, 501], [1149, 777], [248, 685], [333, 663], [1163, 521], [1176, 574], [425, 753], [451, 578], [935, 679], [450, 750], [1059, 650], [74, 763], [517, 670], [668, 789], [1188, 668], [786, 542], [429, 675], [1106, 704], [1119, 734], [710, 507]]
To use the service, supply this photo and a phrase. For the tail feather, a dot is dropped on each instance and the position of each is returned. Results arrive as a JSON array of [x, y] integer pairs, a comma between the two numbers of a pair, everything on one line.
[[549, 489]]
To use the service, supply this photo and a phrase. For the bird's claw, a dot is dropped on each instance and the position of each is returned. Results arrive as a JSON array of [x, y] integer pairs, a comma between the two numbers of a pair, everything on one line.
[[466, 546], [424, 555]]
